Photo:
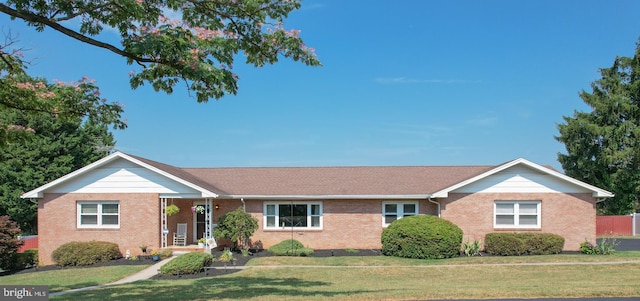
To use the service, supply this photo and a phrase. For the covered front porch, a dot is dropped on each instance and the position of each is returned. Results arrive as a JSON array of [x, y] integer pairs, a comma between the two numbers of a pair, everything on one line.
[[196, 218]]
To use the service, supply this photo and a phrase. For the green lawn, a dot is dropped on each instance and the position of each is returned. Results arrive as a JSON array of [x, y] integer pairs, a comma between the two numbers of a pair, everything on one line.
[[366, 278], [375, 278], [60, 280]]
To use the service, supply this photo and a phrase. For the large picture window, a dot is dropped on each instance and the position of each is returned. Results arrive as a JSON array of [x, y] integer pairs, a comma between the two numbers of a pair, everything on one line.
[[104, 214], [517, 214], [293, 215], [392, 211]]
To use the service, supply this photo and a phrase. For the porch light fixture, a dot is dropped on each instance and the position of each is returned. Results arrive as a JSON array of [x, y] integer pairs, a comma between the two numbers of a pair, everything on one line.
[[217, 206]]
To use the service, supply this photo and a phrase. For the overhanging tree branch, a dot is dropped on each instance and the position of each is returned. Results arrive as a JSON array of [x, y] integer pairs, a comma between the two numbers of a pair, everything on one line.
[[78, 36]]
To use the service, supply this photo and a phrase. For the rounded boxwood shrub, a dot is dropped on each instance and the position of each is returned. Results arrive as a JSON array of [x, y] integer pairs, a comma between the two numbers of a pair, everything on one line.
[[289, 247], [77, 253], [190, 263], [543, 243], [422, 237], [504, 244], [516, 244]]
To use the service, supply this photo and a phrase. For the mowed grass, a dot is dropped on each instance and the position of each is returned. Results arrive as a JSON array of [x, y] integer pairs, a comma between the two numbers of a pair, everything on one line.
[[61, 280], [387, 278], [395, 261]]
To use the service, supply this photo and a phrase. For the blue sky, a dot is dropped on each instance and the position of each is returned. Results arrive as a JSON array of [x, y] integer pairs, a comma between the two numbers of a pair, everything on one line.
[[403, 83]]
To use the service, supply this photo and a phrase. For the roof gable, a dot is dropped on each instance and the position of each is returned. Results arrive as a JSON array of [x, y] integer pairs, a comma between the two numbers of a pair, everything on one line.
[[521, 175], [110, 172]]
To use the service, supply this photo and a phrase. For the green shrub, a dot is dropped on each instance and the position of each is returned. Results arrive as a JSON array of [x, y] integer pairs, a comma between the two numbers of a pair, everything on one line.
[[19, 261], [422, 237], [29, 257], [290, 247], [516, 244], [543, 243], [77, 253], [471, 248], [606, 246], [165, 253], [190, 263], [505, 244]]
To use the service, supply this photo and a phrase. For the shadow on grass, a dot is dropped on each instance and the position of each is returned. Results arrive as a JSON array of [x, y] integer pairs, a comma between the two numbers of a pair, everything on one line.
[[211, 289]]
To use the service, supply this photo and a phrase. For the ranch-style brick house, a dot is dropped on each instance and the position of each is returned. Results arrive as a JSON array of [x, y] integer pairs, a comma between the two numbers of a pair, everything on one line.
[[122, 199]]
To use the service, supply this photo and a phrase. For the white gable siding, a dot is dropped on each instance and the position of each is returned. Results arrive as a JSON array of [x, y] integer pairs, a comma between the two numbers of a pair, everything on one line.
[[122, 176], [521, 179]]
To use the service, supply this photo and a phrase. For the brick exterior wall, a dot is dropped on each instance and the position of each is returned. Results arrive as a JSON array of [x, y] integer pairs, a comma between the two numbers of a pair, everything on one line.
[[57, 222], [346, 224], [571, 216]]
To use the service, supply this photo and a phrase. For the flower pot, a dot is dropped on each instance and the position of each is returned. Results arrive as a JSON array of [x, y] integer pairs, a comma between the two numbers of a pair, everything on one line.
[[155, 257], [200, 245]]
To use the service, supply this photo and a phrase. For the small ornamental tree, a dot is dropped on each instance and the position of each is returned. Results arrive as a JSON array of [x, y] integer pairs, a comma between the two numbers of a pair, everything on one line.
[[238, 226], [9, 242]]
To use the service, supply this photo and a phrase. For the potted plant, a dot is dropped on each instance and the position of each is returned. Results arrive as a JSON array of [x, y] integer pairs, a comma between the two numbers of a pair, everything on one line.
[[198, 209], [201, 242], [171, 210], [155, 256], [143, 248]]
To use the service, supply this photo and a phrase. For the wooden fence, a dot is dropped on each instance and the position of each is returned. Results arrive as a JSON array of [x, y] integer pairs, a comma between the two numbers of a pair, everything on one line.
[[30, 242], [617, 225]]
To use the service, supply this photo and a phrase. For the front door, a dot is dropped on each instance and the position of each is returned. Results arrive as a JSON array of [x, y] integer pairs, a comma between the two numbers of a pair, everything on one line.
[[199, 223]]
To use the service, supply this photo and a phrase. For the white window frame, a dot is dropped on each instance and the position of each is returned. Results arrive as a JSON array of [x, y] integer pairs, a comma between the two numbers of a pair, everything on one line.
[[400, 210], [276, 215], [99, 214], [517, 214]]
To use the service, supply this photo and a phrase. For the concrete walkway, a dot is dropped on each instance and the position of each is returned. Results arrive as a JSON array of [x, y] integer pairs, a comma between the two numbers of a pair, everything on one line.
[[142, 275]]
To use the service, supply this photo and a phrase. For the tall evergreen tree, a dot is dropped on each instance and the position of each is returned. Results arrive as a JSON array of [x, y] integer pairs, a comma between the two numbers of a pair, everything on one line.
[[603, 146], [57, 147]]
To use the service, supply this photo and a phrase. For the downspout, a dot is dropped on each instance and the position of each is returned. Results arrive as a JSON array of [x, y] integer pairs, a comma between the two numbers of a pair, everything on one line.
[[437, 203], [244, 206]]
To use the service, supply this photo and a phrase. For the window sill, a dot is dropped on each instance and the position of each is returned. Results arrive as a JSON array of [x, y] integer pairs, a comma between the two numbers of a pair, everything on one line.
[[516, 229], [98, 228], [292, 230]]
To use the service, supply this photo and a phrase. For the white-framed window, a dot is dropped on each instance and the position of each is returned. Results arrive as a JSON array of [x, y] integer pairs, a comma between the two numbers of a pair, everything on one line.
[[392, 211], [296, 215], [517, 214], [101, 214]]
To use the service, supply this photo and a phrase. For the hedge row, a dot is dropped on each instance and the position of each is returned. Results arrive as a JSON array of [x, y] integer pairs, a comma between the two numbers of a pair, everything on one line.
[[516, 244]]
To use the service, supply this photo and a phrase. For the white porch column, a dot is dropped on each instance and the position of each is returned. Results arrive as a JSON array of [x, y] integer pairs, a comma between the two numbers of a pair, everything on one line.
[[163, 222], [208, 218]]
